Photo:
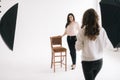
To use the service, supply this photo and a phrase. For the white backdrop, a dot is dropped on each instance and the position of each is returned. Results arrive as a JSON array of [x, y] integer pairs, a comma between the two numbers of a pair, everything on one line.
[[37, 20]]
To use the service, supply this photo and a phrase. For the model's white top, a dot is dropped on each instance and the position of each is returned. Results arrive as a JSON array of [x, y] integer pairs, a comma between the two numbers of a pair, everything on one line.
[[92, 49], [72, 29]]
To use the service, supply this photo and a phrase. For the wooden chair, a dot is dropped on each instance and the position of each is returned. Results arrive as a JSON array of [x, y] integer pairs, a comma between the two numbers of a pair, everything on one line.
[[58, 51]]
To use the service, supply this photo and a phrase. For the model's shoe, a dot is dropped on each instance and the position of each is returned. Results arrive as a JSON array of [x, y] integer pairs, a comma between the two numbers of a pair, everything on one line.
[[73, 67]]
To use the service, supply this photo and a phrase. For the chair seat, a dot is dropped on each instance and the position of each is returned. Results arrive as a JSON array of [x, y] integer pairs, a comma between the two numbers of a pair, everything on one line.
[[59, 49]]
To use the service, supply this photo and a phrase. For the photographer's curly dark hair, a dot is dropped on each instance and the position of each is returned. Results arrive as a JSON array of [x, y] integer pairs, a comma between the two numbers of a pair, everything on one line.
[[90, 22]]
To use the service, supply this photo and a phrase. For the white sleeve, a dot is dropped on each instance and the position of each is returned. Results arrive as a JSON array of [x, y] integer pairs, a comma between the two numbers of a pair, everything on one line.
[[80, 42]]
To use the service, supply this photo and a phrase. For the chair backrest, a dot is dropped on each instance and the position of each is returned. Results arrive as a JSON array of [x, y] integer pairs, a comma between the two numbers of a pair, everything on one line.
[[56, 40]]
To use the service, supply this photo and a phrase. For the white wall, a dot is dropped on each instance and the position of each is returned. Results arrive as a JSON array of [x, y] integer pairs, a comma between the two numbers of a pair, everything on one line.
[[38, 20]]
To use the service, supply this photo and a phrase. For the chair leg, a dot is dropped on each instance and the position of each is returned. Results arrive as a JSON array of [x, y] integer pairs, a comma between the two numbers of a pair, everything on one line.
[[65, 61], [52, 60], [61, 59]]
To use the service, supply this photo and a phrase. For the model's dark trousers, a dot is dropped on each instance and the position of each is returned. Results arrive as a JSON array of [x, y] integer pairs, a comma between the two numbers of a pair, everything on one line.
[[71, 44], [91, 68]]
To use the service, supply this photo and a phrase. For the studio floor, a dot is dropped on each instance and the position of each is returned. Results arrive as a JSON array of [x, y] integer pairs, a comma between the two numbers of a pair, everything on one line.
[[42, 70]]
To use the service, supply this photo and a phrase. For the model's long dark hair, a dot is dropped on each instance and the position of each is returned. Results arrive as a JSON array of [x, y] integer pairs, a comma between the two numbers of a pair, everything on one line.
[[90, 22], [68, 20]]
